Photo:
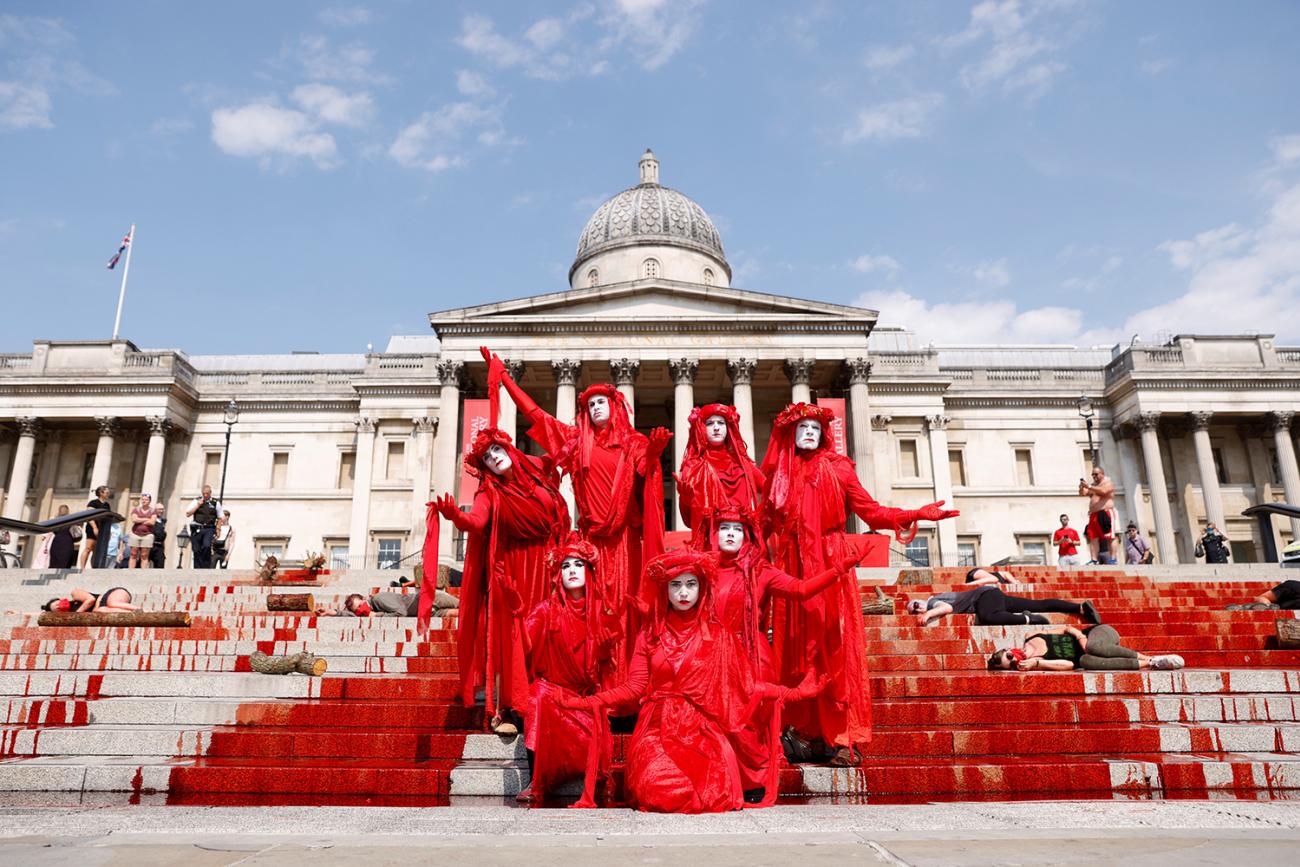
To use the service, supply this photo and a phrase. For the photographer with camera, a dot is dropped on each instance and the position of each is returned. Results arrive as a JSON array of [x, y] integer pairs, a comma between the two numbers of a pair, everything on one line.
[[1102, 516], [203, 512]]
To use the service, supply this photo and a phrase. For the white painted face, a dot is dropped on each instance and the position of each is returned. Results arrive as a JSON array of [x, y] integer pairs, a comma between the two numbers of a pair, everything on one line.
[[715, 429], [684, 591], [731, 536], [808, 434], [497, 459], [598, 410], [573, 573]]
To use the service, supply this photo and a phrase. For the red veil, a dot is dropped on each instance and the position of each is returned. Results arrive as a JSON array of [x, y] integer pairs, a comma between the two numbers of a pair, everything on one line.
[[480, 634], [716, 476]]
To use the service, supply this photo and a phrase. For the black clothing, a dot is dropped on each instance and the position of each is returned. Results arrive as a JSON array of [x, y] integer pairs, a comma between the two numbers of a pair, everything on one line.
[[995, 608], [206, 514], [63, 549], [104, 595], [1288, 594], [201, 539], [94, 528], [1216, 548], [1060, 645], [1002, 579]]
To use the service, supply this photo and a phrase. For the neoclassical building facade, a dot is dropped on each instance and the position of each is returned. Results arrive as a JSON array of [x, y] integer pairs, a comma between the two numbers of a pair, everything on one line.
[[339, 453]]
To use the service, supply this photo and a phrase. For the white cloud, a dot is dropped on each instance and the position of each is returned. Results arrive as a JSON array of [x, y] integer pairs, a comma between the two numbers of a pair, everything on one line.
[[1210, 244], [24, 106], [992, 273], [979, 321], [322, 61], [904, 118], [1020, 55], [473, 84], [655, 30], [344, 16], [267, 131], [436, 141], [868, 263], [1157, 66], [545, 34], [331, 105], [1286, 149], [887, 56]]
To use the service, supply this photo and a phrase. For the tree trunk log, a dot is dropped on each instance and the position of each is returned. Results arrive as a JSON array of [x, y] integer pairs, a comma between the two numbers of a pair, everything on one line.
[[1288, 634], [290, 602], [114, 618], [302, 663]]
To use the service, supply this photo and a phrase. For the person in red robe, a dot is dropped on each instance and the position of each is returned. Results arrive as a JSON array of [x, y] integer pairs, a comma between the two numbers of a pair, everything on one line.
[[716, 471], [746, 583], [517, 514], [569, 648], [809, 493], [617, 482]]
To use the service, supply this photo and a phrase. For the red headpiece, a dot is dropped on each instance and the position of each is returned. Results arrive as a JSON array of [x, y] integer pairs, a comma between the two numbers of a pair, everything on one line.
[[572, 545], [778, 461], [699, 440], [666, 567]]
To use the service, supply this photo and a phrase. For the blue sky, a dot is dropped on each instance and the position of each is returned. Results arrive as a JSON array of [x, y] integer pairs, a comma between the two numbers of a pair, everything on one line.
[[319, 177]]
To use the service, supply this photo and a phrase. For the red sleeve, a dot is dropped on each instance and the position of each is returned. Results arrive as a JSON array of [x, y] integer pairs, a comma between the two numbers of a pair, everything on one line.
[[862, 504], [476, 519], [549, 432], [638, 678], [777, 583]]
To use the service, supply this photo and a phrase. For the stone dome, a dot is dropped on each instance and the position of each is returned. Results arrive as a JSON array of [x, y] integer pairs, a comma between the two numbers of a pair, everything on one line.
[[650, 214]]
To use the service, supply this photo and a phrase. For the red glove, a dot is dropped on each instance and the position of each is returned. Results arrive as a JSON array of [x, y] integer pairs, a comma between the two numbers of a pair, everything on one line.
[[852, 558], [932, 512], [659, 438], [446, 506]]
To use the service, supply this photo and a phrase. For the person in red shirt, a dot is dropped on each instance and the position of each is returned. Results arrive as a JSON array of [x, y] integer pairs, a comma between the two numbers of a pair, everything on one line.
[[1066, 540]]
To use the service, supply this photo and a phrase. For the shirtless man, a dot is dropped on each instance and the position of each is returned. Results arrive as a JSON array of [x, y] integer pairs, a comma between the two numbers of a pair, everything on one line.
[[1102, 516]]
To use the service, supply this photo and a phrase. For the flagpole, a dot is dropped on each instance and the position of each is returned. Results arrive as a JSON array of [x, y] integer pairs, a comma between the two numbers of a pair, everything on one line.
[[126, 268]]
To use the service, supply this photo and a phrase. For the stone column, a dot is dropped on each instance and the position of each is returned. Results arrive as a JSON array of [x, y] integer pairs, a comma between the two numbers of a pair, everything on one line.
[[446, 449], [6, 452], [882, 459], [1130, 477], [1210, 493], [625, 372], [155, 457], [423, 429], [859, 369], [508, 415], [1261, 472], [566, 372], [49, 474], [799, 371], [741, 372], [947, 530], [16, 501], [683, 371], [363, 470], [1149, 423], [1286, 462], [103, 453]]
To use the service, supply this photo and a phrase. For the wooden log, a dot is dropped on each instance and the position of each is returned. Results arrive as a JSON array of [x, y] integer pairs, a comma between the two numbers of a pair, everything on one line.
[[290, 602], [1288, 634], [915, 576], [114, 618], [302, 663], [882, 604]]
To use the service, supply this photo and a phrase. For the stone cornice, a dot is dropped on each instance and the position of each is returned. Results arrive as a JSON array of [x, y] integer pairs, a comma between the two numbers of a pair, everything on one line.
[[255, 404]]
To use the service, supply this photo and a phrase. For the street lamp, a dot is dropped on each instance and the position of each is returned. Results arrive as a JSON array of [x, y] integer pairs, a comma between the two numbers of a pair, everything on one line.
[[1086, 413], [230, 417], [182, 542]]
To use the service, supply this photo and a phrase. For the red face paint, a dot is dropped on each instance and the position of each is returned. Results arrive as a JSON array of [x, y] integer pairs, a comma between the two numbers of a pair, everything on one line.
[[362, 609]]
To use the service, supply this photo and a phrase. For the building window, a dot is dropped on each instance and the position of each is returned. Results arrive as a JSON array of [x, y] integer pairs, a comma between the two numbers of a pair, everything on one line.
[[212, 468], [1025, 468], [593, 277], [650, 268], [918, 551], [708, 276], [88, 467], [279, 470], [1220, 468], [1272, 461], [347, 470], [395, 468], [388, 553], [1034, 547], [968, 551], [337, 555], [270, 547], [957, 467], [909, 463]]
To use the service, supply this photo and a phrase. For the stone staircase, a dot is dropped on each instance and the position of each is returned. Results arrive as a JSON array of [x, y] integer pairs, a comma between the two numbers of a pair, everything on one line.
[[175, 715]]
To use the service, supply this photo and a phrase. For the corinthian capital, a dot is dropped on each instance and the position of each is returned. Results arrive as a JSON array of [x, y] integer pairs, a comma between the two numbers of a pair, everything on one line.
[[107, 425], [1148, 421], [937, 422], [859, 370], [566, 371], [625, 370], [800, 370], [28, 425], [683, 370], [450, 370], [366, 425], [1281, 420], [1200, 420], [425, 424], [741, 371]]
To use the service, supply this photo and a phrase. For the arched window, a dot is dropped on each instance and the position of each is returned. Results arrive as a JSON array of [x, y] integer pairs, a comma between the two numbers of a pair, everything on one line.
[[650, 268], [708, 276], [593, 277]]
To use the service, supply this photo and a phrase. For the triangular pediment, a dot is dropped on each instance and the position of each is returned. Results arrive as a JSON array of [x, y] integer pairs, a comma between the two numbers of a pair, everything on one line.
[[649, 301]]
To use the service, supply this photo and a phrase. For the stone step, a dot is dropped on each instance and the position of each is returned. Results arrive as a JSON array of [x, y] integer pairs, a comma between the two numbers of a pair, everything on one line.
[[447, 713], [169, 663]]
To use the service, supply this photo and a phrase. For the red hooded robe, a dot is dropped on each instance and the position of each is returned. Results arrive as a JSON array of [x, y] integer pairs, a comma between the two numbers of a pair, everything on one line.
[[715, 477]]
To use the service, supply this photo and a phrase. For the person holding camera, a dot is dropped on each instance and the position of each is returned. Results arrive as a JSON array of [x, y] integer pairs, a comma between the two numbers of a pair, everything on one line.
[[1212, 546], [203, 512], [1102, 516]]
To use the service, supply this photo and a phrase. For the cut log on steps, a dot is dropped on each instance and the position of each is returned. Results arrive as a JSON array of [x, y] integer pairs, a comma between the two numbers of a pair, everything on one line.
[[114, 618], [1288, 634], [302, 663], [290, 602]]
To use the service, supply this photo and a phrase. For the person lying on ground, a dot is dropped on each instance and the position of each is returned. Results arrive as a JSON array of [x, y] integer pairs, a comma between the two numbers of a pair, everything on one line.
[[980, 577], [1065, 649], [992, 607], [1285, 596], [83, 601], [386, 605]]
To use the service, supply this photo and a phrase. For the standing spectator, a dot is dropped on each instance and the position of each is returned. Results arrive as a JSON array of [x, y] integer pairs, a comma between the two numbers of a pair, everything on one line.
[[1066, 539], [203, 512], [95, 529], [223, 541], [63, 547], [1136, 549], [158, 553], [1212, 546], [1102, 516], [115, 553], [140, 539]]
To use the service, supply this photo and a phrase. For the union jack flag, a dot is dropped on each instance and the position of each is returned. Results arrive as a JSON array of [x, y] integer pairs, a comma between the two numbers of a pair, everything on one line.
[[126, 242]]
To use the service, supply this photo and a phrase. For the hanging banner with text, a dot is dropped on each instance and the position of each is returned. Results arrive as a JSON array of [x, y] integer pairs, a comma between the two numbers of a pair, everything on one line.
[[474, 418], [837, 431]]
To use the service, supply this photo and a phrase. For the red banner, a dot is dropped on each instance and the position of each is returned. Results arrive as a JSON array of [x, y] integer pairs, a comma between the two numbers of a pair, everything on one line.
[[474, 418], [838, 431]]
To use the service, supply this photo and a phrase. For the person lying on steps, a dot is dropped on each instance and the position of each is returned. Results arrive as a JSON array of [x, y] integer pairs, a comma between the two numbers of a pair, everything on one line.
[[1065, 649], [992, 607], [386, 605]]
